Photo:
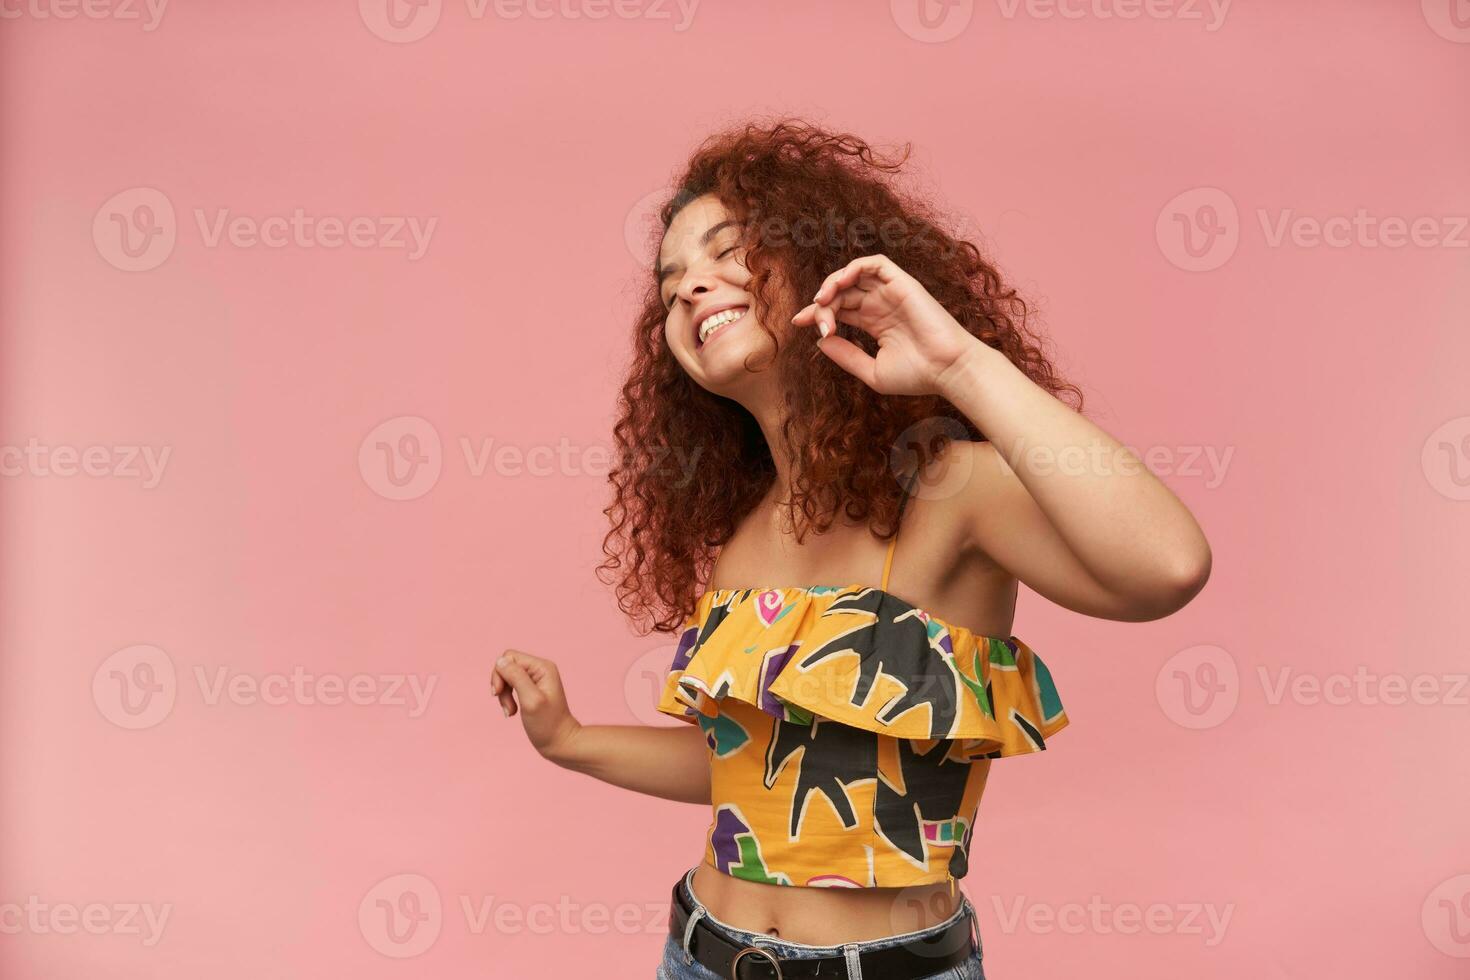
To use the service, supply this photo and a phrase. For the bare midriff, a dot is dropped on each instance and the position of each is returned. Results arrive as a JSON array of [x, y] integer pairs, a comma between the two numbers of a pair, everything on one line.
[[822, 916]]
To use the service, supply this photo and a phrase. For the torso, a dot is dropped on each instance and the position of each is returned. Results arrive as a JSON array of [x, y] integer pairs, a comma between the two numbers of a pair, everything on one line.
[[933, 569]]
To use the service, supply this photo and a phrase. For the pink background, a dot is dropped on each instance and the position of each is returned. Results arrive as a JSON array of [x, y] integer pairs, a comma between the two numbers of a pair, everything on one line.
[[1330, 379]]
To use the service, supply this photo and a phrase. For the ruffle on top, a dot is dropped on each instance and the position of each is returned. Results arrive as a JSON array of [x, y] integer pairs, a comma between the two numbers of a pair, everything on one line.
[[863, 657]]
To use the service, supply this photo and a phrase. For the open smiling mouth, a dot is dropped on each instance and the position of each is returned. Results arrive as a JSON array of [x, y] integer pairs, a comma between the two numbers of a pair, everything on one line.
[[716, 323]]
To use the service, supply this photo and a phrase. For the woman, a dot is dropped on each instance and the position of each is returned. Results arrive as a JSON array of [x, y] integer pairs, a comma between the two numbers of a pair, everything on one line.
[[816, 352]]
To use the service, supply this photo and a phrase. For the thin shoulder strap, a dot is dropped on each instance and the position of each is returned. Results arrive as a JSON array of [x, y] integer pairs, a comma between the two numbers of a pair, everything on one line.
[[893, 542]]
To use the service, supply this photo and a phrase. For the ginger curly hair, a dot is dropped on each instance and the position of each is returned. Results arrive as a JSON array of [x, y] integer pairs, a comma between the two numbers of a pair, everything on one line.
[[782, 180]]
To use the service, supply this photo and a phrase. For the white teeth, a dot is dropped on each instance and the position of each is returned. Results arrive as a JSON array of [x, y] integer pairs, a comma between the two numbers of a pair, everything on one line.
[[717, 320]]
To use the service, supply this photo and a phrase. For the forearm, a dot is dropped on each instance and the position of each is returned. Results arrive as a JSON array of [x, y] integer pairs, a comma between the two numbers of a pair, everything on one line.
[[668, 762], [1122, 523]]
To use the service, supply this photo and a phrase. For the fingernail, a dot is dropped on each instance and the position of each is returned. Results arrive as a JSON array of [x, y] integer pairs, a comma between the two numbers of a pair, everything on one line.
[[822, 329], [505, 711], [502, 661]]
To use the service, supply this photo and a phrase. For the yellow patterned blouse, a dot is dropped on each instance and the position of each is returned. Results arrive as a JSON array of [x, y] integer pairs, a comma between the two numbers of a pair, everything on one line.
[[850, 733]]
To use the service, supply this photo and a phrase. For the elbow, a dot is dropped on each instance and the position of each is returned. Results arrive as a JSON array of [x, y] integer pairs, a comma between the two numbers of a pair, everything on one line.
[[1186, 581], [1172, 589], [1191, 571]]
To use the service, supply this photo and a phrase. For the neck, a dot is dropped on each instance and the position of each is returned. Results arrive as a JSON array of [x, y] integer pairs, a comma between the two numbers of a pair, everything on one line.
[[769, 413]]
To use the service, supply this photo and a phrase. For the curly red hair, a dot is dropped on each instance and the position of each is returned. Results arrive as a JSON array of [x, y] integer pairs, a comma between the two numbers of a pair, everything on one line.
[[782, 180]]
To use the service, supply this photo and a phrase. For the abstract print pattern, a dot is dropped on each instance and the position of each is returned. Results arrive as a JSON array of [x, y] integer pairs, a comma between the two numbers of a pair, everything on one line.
[[850, 732]]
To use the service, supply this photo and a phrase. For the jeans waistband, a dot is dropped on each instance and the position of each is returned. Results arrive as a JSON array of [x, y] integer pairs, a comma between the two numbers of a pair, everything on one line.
[[794, 950]]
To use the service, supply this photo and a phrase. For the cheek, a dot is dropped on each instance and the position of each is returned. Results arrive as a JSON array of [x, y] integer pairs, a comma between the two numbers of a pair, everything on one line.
[[677, 338]]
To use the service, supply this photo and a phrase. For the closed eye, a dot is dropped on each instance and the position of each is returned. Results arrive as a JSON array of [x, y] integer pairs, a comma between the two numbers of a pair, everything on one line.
[[669, 303]]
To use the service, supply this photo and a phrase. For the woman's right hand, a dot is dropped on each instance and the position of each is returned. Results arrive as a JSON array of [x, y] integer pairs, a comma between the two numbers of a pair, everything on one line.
[[536, 685]]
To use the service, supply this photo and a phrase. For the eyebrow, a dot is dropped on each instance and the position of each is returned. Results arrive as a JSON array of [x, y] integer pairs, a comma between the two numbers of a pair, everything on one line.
[[666, 271]]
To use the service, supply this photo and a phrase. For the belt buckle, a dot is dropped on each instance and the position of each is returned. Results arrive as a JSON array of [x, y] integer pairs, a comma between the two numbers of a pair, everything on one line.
[[750, 950]]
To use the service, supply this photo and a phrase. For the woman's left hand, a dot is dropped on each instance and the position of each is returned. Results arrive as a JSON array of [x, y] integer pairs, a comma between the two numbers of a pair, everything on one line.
[[917, 338]]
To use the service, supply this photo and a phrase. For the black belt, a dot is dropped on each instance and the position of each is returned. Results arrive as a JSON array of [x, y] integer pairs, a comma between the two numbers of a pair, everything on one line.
[[728, 957]]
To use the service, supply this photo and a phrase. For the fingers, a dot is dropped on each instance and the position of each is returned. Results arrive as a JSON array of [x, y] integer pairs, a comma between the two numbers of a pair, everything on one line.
[[852, 359], [878, 266], [826, 321], [843, 307], [502, 692], [514, 675], [518, 676]]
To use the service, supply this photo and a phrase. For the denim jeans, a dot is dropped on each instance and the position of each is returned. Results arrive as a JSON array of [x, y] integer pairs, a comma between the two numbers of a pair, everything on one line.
[[678, 965]]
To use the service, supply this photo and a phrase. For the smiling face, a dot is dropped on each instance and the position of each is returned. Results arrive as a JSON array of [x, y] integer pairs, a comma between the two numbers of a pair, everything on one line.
[[711, 325]]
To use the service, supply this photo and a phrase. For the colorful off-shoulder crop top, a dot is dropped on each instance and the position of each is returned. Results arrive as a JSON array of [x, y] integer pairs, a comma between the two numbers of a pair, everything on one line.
[[850, 733]]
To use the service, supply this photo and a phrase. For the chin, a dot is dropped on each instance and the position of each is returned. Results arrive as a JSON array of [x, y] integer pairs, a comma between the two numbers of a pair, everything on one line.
[[724, 362]]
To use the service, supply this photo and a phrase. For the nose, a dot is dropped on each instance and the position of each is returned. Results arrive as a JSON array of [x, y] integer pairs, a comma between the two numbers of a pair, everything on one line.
[[696, 282]]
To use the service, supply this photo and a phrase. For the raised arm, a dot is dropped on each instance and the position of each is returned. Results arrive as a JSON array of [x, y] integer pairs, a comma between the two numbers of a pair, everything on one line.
[[1062, 505]]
